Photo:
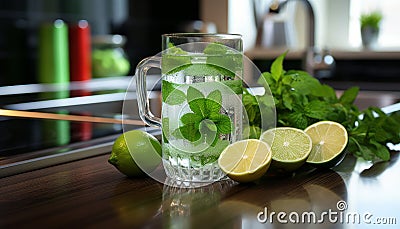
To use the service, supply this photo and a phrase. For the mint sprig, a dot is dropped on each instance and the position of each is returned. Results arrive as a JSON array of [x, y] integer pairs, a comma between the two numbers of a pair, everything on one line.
[[205, 118], [301, 100]]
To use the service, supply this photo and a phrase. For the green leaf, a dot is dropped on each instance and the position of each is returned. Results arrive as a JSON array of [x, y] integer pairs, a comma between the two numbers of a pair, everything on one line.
[[193, 93], [223, 123], [207, 126], [170, 94], [266, 80], [165, 129], [349, 95], [189, 132], [235, 85], [198, 106], [298, 120], [252, 131], [174, 59], [213, 102], [318, 109], [191, 118], [303, 83], [325, 91], [196, 101], [367, 152], [215, 49], [277, 66], [287, 101], [381, 151]]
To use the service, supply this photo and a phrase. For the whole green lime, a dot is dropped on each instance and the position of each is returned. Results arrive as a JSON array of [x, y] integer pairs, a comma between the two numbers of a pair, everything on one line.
[[135, 153]]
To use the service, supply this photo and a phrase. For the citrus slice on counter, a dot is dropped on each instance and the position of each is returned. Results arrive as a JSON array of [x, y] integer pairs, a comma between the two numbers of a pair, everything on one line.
[[290, 147], [245, 160], [329, 140]]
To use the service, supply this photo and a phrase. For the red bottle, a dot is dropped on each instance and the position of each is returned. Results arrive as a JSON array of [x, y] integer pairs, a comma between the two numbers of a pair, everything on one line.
[[80, 51]]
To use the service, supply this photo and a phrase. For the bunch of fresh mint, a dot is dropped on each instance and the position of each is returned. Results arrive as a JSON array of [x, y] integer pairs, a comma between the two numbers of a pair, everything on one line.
[[301, 100]]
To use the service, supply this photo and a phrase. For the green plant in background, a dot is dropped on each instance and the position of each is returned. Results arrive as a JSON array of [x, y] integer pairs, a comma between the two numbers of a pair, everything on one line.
[[372, 20]]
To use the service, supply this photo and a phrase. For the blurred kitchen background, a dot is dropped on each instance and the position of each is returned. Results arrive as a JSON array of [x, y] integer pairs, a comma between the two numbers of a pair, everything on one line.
[[77, 57], [266, 33]]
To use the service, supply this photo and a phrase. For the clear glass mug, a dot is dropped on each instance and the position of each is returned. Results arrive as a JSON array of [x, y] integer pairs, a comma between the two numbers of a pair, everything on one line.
[[202, 107]]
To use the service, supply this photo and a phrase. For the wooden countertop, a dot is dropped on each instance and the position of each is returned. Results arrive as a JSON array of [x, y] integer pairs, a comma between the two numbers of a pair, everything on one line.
[[91, 193]]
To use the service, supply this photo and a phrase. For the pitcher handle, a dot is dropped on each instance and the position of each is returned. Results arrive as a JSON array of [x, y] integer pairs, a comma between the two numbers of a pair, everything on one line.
[[141, 90]]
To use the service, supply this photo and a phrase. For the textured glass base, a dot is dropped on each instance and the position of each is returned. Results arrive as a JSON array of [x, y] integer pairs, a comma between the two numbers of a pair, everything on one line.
[[206, 174]]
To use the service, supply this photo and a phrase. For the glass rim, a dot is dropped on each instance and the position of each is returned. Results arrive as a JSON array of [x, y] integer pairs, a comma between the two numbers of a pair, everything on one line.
[[202, 35]]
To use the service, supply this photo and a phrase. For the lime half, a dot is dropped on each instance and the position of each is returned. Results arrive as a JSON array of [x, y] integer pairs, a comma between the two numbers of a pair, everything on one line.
[[290, 147], [329, 140], [245, 160]]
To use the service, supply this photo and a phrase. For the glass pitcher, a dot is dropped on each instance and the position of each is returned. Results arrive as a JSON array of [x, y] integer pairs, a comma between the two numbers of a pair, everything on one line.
[[201, 101]]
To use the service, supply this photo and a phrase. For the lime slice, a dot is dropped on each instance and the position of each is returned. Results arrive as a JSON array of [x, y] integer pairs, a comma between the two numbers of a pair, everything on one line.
[[245, 160], [290, 147], [329, 140]]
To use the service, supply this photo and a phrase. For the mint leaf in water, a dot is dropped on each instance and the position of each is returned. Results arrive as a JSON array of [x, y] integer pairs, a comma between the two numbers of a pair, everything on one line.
[[206, 116], [193, 94], [170, 94], [188, 131], [223, 123], [191, 118], [174, 58], [213, 102]]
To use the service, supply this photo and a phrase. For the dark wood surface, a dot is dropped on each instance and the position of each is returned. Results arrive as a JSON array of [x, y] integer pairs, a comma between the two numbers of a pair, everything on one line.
[[91, 193]]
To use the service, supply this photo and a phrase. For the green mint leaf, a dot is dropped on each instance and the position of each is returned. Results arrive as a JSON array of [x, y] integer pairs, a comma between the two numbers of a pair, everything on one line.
[[325, 91], [205, 70], [170, 94], [277, 67], [267, 80], [212, 153], [223, 123], [189, 118], [207, 126], [209, 131], [265, 100], [196, 101], [303, 83], [349, 95], [318, 109], [198, 106], [226, 59], [367, 151], [235, 85], [297, 120], [193, 93], [381, 151], [252, 132], [189, 132], [288, 101], [174, 59], [215, 49], [213, 102], [165, 129]]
